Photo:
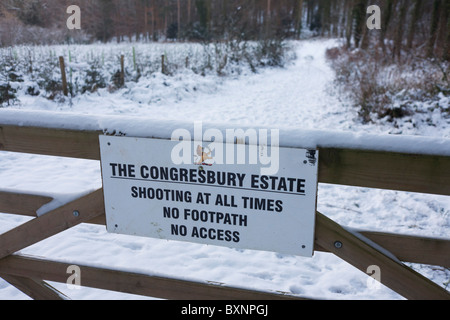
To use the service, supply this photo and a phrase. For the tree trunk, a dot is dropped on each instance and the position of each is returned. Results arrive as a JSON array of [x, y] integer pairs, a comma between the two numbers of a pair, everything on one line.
[[446, 55], [268, 15], [433, 28], [349, 22], [387, 19], [413, 23], [396, 53], [443, 29], [359, 14], [310, 12], [178, 19], [365, 39], [325, 16], [298, 13]]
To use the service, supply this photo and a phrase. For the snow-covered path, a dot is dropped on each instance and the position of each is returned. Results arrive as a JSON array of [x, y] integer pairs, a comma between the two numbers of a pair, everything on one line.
[[296, 96]]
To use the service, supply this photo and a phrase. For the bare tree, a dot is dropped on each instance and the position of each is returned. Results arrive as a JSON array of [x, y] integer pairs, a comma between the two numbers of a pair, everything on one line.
[[396, 52], [434, 23]]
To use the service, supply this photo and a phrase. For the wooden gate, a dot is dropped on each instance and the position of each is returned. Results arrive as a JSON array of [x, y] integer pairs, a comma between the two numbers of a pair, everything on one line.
[[363, 168]]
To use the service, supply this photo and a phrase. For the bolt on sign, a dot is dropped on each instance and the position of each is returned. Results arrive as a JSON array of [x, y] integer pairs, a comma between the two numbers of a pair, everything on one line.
[[225, 203]]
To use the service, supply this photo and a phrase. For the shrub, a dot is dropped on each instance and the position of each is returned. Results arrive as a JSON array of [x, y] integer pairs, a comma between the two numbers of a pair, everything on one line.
[[7, 94], [271, 52], [94, 79], [382, 88]]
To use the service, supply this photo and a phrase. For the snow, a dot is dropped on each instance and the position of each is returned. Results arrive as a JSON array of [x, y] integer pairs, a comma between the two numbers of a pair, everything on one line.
[[289, 136], [300, 101]]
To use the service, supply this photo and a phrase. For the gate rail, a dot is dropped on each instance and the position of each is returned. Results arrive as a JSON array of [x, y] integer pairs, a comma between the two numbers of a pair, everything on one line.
[[421, 173]]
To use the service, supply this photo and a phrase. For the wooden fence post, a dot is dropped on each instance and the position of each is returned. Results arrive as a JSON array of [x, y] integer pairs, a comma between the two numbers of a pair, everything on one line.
[[122, 70], [63, 76]]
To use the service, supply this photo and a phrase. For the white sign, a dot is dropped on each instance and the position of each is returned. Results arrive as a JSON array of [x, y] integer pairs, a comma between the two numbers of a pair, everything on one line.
[[231, 205]]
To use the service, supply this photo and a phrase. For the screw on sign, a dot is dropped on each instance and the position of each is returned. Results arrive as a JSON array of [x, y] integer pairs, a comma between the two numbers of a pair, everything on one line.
[[338, 245]]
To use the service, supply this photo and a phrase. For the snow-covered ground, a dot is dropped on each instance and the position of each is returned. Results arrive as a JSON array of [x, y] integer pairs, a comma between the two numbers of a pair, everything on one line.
[[301, 95]]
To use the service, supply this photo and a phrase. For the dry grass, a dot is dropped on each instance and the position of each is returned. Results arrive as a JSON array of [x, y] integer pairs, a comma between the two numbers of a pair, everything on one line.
[[380, 86]]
